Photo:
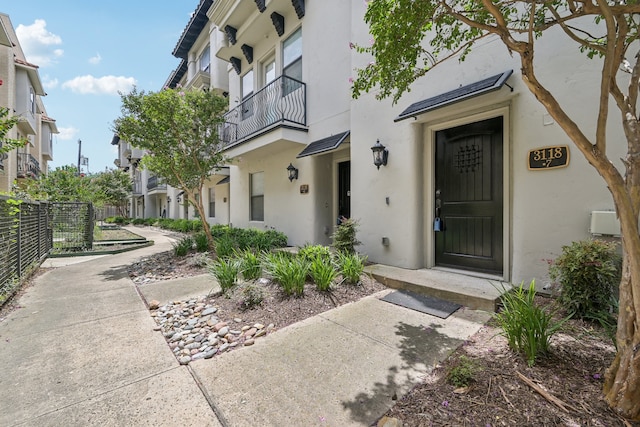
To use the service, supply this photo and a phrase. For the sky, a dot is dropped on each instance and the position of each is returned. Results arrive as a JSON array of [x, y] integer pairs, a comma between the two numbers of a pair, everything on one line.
[[89, 51]]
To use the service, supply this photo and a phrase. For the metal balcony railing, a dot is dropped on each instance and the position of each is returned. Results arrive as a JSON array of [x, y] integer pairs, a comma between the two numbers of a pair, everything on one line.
[[28, 166], [155, 183], [282, 101]]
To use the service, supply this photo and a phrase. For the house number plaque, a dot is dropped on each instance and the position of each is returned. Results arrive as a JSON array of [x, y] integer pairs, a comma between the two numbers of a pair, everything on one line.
[[553, 157]]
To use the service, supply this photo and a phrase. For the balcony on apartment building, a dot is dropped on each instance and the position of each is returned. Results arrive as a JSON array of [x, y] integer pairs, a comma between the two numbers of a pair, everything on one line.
[[28, 166], [156, 184], [281, 103]]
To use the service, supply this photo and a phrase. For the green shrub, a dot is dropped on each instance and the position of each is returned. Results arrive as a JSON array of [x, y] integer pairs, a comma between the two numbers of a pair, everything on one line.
[[311, 252], [251, 296], [138, 221], [250, 264], [344, 236], [201, 242], [588, 273], [461, 375], [527, 327], [150, 221], [351, 266], [225, 270], [224, 246], [288, 271], [322, 273], [183, 246]]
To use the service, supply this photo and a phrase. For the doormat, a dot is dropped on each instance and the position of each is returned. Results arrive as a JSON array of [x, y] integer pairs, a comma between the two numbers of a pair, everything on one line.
[[422, 303]]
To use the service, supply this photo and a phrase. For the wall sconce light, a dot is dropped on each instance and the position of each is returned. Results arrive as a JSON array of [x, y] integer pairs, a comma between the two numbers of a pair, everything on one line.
[[168, 199], [293, 172], [380, 154]]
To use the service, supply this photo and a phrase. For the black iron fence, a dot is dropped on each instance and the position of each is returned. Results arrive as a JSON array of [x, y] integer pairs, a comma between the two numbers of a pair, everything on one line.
[[28, 166], [25, 240], [72, 226], [282, 101]]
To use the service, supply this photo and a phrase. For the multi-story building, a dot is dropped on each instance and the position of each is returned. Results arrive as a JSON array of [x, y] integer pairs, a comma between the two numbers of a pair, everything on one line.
[[21, 91], [456, 186]]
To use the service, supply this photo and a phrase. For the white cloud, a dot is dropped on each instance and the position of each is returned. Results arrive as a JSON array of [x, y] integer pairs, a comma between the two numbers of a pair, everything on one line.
[[95, 59], [39, 44], [107, 85], [67, 133], [49, 83]]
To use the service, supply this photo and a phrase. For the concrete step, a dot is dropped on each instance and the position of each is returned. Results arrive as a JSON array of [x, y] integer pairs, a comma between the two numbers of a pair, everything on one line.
[[474, 292]]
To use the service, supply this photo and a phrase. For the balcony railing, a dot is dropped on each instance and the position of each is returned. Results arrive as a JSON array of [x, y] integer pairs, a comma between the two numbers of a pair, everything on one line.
[[155, 183], [28, 166], [282, 101]]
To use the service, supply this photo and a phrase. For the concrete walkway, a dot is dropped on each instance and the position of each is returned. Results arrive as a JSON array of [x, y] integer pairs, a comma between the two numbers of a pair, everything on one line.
[[81, 351]]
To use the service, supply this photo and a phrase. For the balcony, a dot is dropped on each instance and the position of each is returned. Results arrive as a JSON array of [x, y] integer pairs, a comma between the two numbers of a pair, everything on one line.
[[28, 166], [282, 103], [155, 183]]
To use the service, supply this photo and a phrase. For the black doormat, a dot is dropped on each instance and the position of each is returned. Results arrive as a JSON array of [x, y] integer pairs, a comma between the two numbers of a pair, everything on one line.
[[423, 303]]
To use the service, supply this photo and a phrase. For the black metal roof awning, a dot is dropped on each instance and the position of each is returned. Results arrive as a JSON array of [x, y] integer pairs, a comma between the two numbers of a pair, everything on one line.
[[324, 145], [462, 93], [225, 180]]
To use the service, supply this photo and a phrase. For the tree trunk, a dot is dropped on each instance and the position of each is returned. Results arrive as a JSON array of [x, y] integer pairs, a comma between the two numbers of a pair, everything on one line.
[[197, 203], [622, 380]]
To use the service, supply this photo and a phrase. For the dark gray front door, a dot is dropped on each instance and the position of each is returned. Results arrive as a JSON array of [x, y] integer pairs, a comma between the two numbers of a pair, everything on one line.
[[344, 189], [469, 197]]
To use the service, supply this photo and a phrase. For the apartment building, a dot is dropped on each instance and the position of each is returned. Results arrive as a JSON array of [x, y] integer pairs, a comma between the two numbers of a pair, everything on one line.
[[21, 91], [452, 177]]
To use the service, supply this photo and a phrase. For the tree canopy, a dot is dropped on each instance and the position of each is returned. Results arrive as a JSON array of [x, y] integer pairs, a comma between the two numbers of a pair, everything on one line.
[[178, 129], [411, 37]]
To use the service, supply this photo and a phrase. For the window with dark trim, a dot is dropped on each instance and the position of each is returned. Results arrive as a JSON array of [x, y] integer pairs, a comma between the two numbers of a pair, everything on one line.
[[247, 93], [292, 60], [257, 196], [205, 59], [212, 202]]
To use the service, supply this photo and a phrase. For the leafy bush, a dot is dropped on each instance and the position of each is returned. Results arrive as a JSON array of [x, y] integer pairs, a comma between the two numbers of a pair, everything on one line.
[[250, 264], [150, 221], [201, 241], [251, 296], [225, 270], [138, 221], [224, 246], [322, 272], [344, 236], [527, 327], [588, 273], [311, 252], [288, 271], [351, 266], [183, 246], [461, 375]]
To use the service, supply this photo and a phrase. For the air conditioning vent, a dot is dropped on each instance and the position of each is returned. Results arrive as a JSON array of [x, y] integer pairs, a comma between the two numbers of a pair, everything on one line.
[[604, 223]]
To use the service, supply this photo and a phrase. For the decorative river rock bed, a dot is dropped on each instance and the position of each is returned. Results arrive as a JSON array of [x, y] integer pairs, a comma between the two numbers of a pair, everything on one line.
[[193, 331]]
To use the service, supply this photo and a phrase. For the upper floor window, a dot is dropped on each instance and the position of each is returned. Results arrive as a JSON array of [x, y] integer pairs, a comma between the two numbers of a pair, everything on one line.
[[247, 91], [32, 101], [205, 59], [292, 55]]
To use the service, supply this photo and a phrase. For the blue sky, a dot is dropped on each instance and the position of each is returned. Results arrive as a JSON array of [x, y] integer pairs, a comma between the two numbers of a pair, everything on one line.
[[88, 51]]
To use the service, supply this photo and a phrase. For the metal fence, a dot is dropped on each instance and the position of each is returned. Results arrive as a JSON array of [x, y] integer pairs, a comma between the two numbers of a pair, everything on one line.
[[25, 240], [72, 226]]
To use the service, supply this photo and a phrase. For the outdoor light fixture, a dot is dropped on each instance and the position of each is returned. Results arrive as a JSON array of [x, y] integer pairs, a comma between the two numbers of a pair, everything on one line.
[[380, 154], [293, 172], [168, 199]]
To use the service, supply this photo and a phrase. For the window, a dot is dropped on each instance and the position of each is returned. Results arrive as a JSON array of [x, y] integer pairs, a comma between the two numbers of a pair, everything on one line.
[[212, 202], [247, 92], [292, 56], [269, 70], [32, 101], [257, 196], [205, 59]]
